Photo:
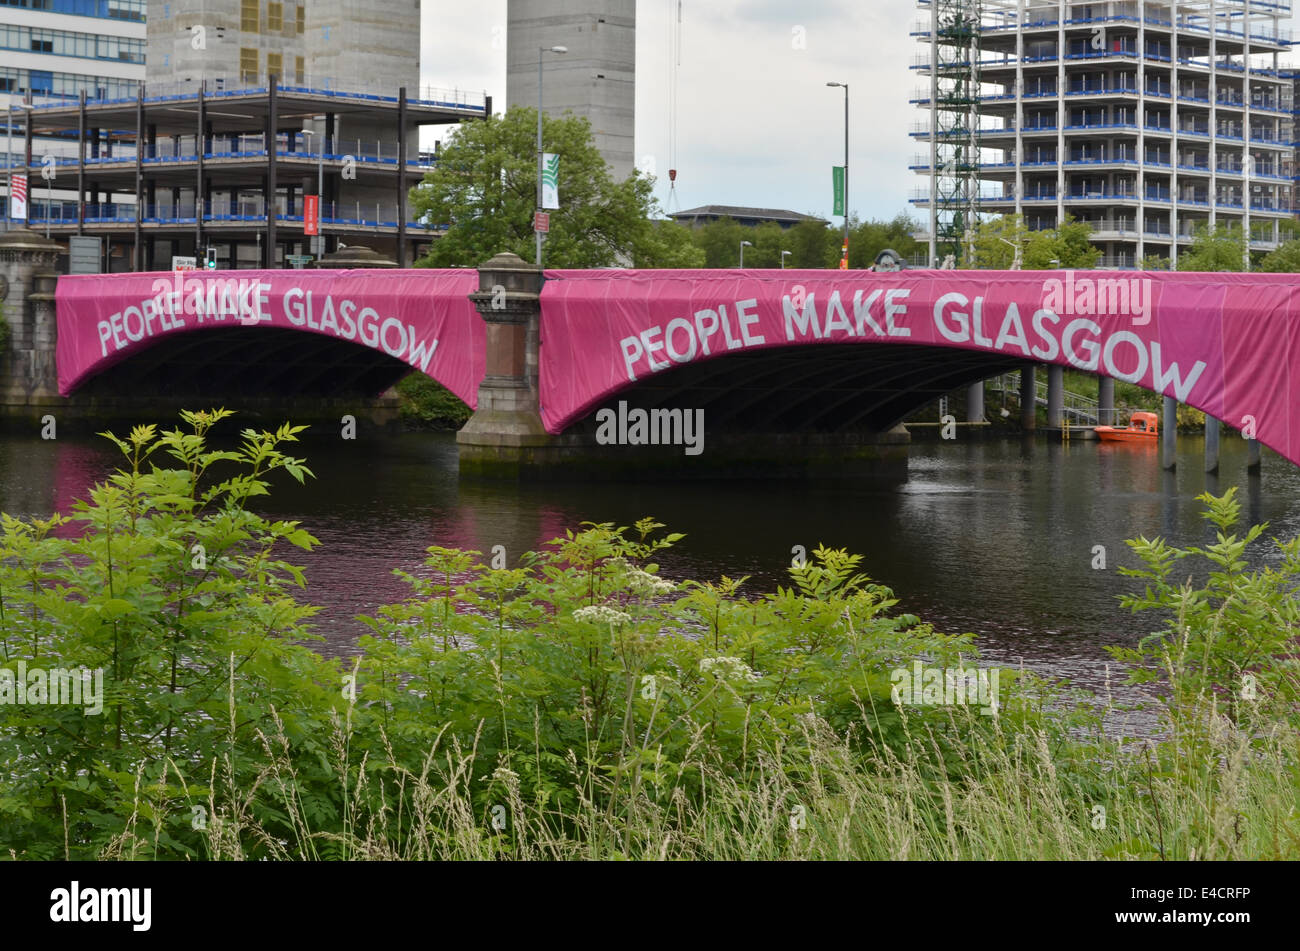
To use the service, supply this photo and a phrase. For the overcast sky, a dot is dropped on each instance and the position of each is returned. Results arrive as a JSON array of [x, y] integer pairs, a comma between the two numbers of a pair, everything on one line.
[[755, 122]]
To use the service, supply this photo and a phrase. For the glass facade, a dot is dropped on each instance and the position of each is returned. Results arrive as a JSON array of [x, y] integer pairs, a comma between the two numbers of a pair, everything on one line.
[[105, 9], [67, 43]]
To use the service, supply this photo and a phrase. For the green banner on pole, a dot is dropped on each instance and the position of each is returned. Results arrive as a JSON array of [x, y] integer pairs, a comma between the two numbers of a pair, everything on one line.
[[837, 179]]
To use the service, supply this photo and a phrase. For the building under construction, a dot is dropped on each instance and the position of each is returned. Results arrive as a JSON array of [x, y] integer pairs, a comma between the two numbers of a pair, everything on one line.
[[1146, 120]]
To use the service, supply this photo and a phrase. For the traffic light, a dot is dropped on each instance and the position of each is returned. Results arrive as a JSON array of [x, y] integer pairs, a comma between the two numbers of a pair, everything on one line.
[[211, 262]]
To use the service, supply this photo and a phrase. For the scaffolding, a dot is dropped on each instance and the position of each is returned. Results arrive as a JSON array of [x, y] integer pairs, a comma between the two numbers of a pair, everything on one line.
[[954, 126]]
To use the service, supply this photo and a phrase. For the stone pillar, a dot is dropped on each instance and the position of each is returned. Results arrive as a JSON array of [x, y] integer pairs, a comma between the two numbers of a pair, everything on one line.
[[1106, 401], [1055, 396], [1028, 399], [1211, 444], [1253, 456], [501, 439], [975, 402], [28, 376], [1169, 433]]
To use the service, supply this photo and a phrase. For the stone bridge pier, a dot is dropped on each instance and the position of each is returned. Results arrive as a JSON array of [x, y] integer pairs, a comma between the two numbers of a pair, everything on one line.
[[29, 381], [506, 439]]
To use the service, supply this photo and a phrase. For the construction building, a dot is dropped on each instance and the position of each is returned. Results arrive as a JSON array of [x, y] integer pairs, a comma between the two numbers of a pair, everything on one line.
[[1147, 120], [54, 48], [595, 79], [249, 106]]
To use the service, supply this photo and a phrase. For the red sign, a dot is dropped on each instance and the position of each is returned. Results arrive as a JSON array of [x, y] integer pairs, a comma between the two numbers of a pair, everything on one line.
[[311, 214], [542, 222]]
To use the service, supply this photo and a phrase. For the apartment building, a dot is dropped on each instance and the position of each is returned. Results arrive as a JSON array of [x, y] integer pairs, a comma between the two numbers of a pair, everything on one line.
[[1144, 119]]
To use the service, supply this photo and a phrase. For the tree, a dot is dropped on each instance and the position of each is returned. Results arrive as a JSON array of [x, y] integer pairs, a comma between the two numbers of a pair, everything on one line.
[[1154, 262], [1069, 244], [990, 242], [868, 238], [1220, 249], [484, 189], [720, 241], [812, 244], [1285, 260]]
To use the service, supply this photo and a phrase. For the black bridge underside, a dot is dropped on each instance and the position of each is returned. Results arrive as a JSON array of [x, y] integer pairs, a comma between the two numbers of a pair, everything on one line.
[[246, 362], [823, 388]]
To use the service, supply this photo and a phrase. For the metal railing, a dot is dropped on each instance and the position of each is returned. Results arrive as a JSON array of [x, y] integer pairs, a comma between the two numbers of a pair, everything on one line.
[[1078, 409]]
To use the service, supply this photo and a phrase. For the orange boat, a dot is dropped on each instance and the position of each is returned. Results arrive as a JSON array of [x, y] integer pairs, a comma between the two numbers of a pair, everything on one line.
[[1142, 427]]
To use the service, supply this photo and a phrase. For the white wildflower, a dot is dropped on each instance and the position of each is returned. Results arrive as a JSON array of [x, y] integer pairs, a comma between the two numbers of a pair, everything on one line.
[[600, 614], [727, 668]]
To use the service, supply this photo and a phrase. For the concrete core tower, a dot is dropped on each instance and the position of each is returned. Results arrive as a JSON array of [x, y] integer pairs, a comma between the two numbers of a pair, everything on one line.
[[596, 79]]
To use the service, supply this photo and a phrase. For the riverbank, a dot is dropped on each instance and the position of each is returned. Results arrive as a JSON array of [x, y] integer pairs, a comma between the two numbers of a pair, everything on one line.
[[577, 703]]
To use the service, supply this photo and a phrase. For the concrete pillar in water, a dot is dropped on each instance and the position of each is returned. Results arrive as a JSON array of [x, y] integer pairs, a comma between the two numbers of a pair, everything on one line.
[[1169, 433], [1253, 457], [1055, 396], [1211, 444], [975, 402], [1028, 399], [1106, 400], [502, 436]]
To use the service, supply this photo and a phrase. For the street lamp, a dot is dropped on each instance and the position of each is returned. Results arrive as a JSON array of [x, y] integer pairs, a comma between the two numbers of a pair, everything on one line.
[[784, 255], [743, 246], [1017, 261], [319, 241], [845, 87], [541, 50]]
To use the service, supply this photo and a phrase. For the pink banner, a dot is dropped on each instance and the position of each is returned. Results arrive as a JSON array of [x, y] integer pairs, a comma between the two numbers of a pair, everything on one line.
[[422, 317], [1224, 343]]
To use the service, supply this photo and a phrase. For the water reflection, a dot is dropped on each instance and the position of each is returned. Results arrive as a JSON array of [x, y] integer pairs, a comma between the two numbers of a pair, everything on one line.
[[994, 537]]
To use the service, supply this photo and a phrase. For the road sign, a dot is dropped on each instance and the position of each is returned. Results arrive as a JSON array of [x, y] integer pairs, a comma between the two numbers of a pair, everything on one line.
[[298, 260], [311, 214], [182, 263], [541, 222], [84, 253]]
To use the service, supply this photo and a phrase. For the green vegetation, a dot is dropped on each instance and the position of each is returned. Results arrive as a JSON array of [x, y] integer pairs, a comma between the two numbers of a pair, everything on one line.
[[579, 705], [485, 189], [995, 242], [427, 404]]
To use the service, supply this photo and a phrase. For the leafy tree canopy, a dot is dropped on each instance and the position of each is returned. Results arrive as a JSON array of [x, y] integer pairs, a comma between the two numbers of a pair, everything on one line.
[[484, 189]]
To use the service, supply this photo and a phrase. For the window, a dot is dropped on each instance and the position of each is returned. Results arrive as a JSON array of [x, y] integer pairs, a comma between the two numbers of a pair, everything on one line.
[[248, 65], [275, 17], [302, 19], [248, 16], [274, 65], [299, 70]]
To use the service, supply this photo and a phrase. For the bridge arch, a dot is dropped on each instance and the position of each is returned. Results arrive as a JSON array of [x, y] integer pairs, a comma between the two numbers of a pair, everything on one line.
[[1227, 344], [366, 324]]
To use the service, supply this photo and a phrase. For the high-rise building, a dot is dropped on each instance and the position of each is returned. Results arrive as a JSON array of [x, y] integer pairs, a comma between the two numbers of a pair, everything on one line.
[[357, 45], [62, 48], [1145, 119], [264, 134], [595, 79]]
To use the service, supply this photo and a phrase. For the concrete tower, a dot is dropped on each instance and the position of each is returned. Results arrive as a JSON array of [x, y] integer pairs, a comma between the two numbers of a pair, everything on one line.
[[596, 79], [355, 45]]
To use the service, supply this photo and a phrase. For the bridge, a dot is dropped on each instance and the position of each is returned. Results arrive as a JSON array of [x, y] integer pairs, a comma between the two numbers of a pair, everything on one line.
[[791, 371]]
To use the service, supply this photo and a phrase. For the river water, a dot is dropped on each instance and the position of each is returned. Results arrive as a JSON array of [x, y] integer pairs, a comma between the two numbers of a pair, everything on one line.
[[995, 536]]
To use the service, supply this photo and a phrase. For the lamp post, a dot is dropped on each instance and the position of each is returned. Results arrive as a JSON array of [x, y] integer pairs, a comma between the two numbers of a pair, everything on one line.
[[541, 58], [784, 255], [319, 237], [743, 246], [845, 87]]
